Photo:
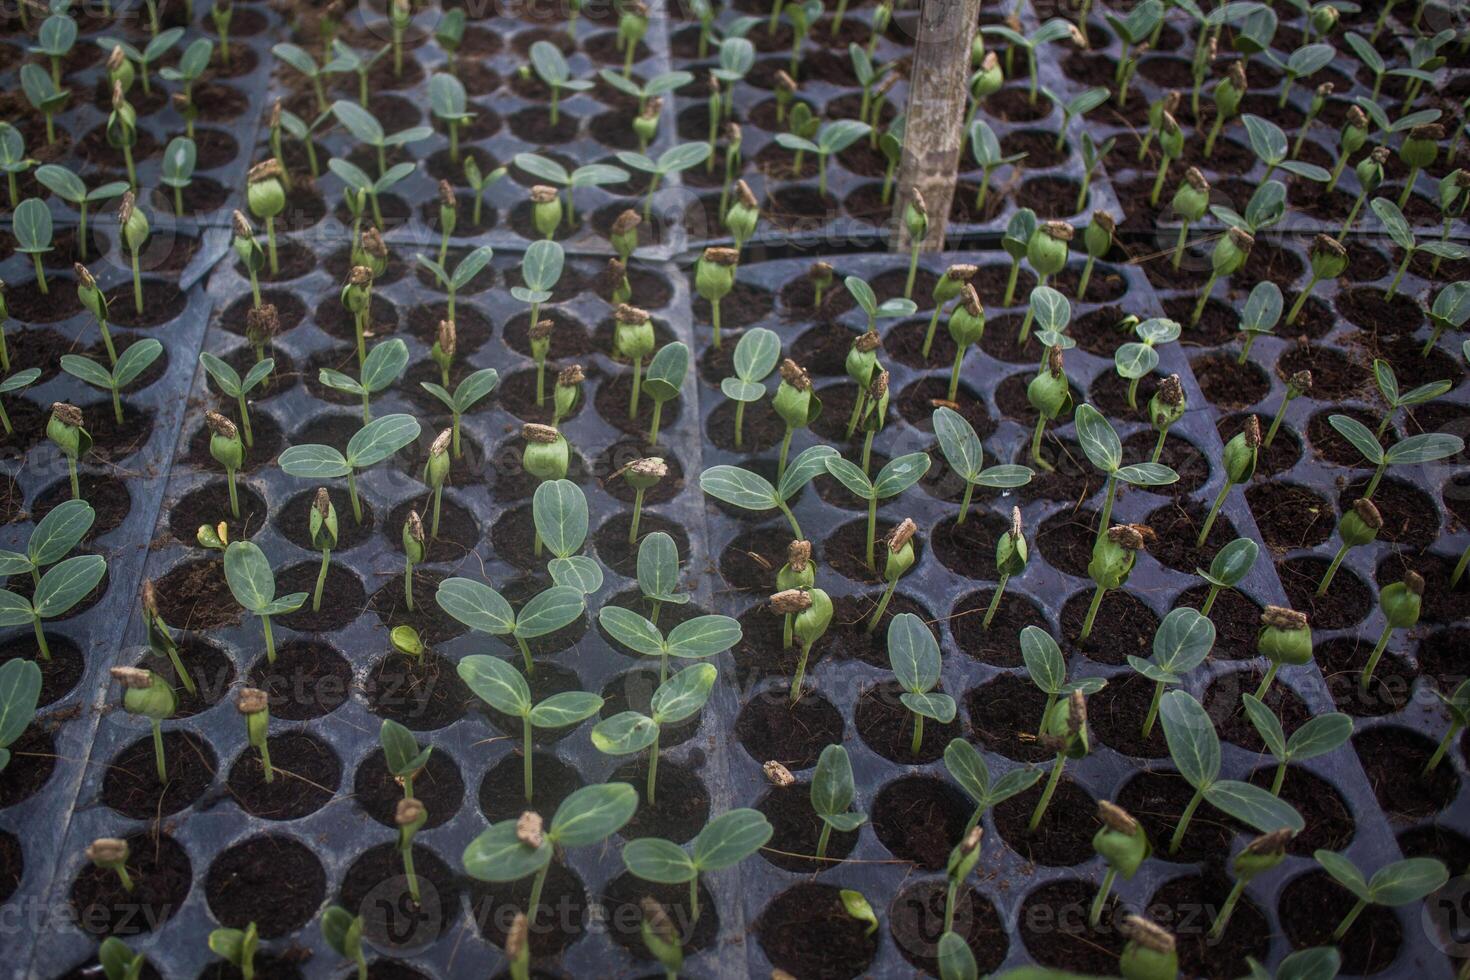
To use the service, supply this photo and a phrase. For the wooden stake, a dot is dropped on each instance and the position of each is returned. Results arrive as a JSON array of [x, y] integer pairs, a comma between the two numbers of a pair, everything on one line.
[[934, 132]]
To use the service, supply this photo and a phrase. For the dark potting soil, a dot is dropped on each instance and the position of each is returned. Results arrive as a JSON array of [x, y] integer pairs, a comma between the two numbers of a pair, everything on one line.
[[1342, 659], [209, 667], [1061, 839], [1329, 445], [999, 645], [437, 786], [210, 504], [131, 787], [12, 864], [59, 675], [1116, 715], [1056, 933], [969, 548], [1124, 625], [559, 921], [1335, 377], [269, 441], [887, 726], [1289, 515], [1222, 701], [306, 773], [1346, 602], [807, 931], [1442, 604], [343, 596], [161, 875], [916, 920], [1005, 713], [849, 634], [433, 624], [1409, 515], [1178, 525], [1226, 383], [293, 519], [1190, 901], [33, 760], [1329, 821], [750, 561], [918, 818], [615, 551], [1310, 909], [376, 886], [681, 802], [797, 830], [272, 880], [622, 904], [422, 694], [1393, 759], [309, 679], [1158, 799], [502, 793]]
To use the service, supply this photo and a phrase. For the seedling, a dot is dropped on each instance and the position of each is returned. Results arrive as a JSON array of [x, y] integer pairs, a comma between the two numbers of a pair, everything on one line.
[[192, 65], [966, 766], [221, 14], [1450, 311], [1401, 603], [1171, 148], [1053, 30], [553, 173], [151, 54], [384, 365], [1195, 748], [401, 753], [1113, 557], [502, 687], [1064, 729], [20, 692], [1229, 254], [134, 361], [65, 431], [322, 526], [1048, 670], [1240, 456], [966, 326], [343, 932], [675, 159], [122, 131], [231, 385], [1228, 568], [370, 445], [1047, 252], [1259, 317], [146, 694], [1103, 448], [714, 277], [722, 843], [633, 339], [913, 654], [1426, 447], [237, 947], [111, 854], [464, 273], [414, 551], [1285, 639], [483, 610], [965, 455], [1317, 736], [1050, 394], [810, 612], [45, 96], [1181, 643], [69, 187], [985, 148], [559, 511], [1136, 359], [1399, 883], [662, 383], [179, 159], [1297, 385], [253, 704], [303, 132], [227, 449], [359, 186], [893, 479], [799, 573], [1369, 171], [365, 128], [253, 584], [676, 699], [52, 539], [515, 849], [16, 382], [546, 455], [1229, 92], [831, 139], [1402, 235], [1122, 843], [755, 357], [31, 225], [466, 395], [694, 639], [1458, 706], [62, 586], [13, 160], [119, 962], [658, 573], [831, 794]]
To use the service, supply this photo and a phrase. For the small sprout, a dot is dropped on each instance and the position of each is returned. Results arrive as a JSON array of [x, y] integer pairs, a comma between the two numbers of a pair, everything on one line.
[[857, 906], [1285, 639], [228, 450], [799, 572], [565, 394], [1351, 137], [1113, 557], [122, 130], [797, 403], [893, 479], [1047, 252], [478, 181], [1230, 565], [665, 377], [1181, 643], [238, 947], [1050, 394], [44, 95], [322, 525], [1240, 456], [714, 277], [1401, 603], [502, 687], [1317, 736], [1229, 92], [1104, 450], [20, 692], [1259, 317], [962, 450], [755, 357], [252, 256], [947, 287], [831, 139], [546, 210], [913, 654], [118, 961], [32, 227], [751, 491], [1165, 407], [1097, 241], [253, 584], [559, 512], [216, 538], [1418, 151], [966, 766], [1195, 749], [1192, 201], [147, 694], [1402, 235], [1399, 883], [413, 550], [1230, 252], [343, 932], [464, 273], [136, 359], [63, 585], [436, 472], [966, 327], [898, 558], [484, 610], [1122, 843], [811, 612], [832, 792], [722, 843], [1047, 669], [695, 639], [675, 159], [744, 213], [111, 854], [633, 339], [410, 816], [1297, 385], [371, 444], [1064, 730], [231, 385], [1137, 359], [916, 223], [266, 196], [1458, 706], [1150, 952], [64, 429], [255, 706], [660, 937], [1171, 147], [1426, 447], [1369, 171], [1359, 525], [820, 275], [401, 753]]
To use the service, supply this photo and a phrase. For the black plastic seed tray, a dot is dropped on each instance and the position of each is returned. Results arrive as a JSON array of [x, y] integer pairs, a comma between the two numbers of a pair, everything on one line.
[[793, 211], [903, 796], [1234, 171], [1313, 475], [230, 101], [123, 478]]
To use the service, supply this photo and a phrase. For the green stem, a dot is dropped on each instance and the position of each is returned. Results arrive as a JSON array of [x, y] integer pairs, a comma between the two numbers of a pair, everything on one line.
[[1000, 590], [536, 886], [637, 514], [785, 449], [739, 424], [270, 639], [965, 504], [526, 768], [137, 285], [352, 493], [41, 645], [1036, 445], [872, 531], [1352, 215], [1222, 918], [1153, 710], [434, 521], [1327, 577], [245, 430], [1373, 483], [1097, 598], [1267, 681], [1184, 819], [917, 742], [1393, 287], [1086, 275], [1204, 532], [908, 288], [1046, 794], [526, 655], [1279, 779], [265, 762], [1276, 422], [653, 768], [882, 606], [1441, 749], [806, 649], [954, 373], [1095, 916], [1199, 308], [1204, 610], [658, 408], [1375, 656], [408, 584], [1349, 919], [321, 581], [1105, 519], [1159, 445], [1460, 566], [160, 764], [637, 383], [123, 877], [822, 839], [71, 467], [234, 497], [1408, 187]]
